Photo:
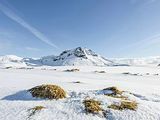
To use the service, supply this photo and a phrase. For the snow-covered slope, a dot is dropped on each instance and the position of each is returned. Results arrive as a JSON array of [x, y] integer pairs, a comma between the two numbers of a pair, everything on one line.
[[11, 61]]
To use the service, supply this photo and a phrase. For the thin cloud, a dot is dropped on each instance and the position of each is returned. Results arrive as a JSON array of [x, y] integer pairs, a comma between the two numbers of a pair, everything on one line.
[[149, 41], [9, 13]]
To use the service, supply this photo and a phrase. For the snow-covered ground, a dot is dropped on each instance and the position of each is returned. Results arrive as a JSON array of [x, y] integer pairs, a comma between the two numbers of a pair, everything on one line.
[[143, 82]]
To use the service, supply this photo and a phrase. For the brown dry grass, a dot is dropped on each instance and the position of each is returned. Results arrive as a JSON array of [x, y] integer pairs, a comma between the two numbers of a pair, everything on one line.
[[119, 96], [131, 105], [48, 91], [34, 110], [115, 91], [92, 106]]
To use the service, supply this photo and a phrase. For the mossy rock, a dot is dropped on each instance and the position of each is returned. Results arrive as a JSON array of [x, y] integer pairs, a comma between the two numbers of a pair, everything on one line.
[[48, 92], [92, 106]]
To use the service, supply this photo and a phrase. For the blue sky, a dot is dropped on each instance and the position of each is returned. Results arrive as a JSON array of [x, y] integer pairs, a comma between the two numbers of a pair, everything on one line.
[[112, 28]]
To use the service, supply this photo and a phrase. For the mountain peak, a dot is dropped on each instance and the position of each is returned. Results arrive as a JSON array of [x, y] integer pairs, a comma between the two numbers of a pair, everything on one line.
[[77, 56], [79, 52]]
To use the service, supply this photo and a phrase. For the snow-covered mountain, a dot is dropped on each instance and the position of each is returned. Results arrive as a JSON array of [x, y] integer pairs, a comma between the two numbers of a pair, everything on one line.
[[78, 56], [74, 57]]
